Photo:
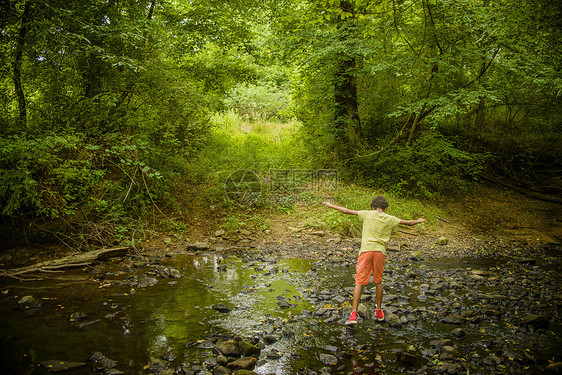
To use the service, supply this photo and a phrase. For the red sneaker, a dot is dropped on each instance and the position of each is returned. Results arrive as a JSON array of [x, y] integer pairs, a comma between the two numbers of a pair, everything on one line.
[[352, 319], [379, 314]]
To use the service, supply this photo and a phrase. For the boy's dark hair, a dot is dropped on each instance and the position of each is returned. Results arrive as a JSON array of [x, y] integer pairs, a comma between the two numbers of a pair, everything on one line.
[[379, 202]]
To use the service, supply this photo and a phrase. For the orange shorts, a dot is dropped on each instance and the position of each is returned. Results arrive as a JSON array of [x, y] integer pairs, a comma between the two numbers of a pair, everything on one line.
[[369, 261]]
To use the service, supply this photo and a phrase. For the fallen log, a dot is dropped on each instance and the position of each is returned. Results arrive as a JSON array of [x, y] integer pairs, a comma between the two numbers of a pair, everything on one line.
[[70, 261]]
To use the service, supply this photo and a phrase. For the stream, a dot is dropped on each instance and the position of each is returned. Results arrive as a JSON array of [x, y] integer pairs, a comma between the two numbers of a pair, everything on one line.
[[166, 315]]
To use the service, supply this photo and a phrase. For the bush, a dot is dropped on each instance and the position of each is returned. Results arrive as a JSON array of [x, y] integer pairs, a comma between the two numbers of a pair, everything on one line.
[[50, 177], [85, 190], [432, 167]]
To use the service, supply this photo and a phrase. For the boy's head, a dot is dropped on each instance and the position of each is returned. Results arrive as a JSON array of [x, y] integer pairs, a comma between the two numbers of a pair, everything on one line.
[[379, 202]]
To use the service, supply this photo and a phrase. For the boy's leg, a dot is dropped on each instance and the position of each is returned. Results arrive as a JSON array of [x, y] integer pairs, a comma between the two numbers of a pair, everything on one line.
[[362, 276], [378, 266], [379, 294], [357, 296]]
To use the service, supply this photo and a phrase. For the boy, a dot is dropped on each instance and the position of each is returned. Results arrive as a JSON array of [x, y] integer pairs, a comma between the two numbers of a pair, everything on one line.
[[377, 227]]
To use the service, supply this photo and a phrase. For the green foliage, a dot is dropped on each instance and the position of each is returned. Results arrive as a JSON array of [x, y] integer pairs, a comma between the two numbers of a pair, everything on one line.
[[52, 176], [260, 222], [345, 225], [82, 185], [263, 101], [108, 105], [254, 148], [111, 105], [234, 223], [486, 76]]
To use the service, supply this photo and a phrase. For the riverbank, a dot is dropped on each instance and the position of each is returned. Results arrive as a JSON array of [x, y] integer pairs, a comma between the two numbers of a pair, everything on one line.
[[489, 218], [489, 221]]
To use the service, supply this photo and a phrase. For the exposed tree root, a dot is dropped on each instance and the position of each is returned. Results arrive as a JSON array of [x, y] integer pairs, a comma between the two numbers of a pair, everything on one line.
[[71, 261]]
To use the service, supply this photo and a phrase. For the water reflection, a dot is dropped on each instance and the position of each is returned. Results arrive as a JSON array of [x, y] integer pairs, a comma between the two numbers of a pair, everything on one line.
[[172, 319]]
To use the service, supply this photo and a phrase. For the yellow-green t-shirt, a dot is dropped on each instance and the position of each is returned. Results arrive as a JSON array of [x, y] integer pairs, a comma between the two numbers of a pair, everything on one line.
[[377, 228]]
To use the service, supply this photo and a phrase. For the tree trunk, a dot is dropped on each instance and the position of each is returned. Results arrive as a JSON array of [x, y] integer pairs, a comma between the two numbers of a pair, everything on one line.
[[151, 10], [346, 112], [18, 61], [414, 128], [345, 96]]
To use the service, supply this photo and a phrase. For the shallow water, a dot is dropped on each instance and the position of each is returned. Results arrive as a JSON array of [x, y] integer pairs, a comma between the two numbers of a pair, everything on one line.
[[172, 319]]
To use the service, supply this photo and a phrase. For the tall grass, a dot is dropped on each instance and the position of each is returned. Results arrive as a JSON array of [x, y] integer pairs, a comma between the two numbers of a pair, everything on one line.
[[236, 144], [254, 145]]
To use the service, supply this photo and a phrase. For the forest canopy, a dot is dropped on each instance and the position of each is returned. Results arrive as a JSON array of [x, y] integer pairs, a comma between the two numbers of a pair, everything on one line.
[[109, 106]]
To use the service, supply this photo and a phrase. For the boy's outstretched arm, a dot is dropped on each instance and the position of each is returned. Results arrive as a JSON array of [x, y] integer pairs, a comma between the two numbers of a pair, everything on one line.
[[341, 209], [412, 222]]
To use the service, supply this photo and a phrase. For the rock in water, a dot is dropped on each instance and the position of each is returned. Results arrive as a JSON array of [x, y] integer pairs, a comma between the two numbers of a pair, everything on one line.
[[228, 348], [101, 361], [458, 332], [328, 359], [221, 370], [245, 363], [442, 241], [248, 349], [416, 255], [406, 358], [537, 321], [453, 319], [221, 307], [236, 348], [392, 319], [198, 246], [28, 303]]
